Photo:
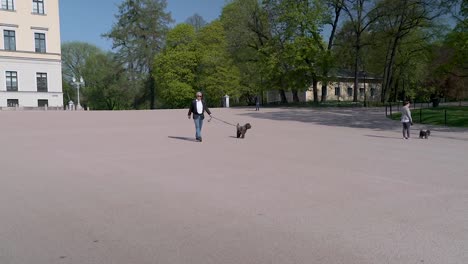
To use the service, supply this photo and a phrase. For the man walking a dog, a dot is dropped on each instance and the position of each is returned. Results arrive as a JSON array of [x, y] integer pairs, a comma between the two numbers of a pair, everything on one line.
[[406, 119], [198, 108]]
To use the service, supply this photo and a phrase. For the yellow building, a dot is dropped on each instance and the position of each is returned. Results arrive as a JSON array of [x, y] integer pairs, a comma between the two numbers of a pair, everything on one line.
[[340, 88], [30, 55]]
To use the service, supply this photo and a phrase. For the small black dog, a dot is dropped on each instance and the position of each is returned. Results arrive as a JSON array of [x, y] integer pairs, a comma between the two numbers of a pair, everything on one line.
[[424, 133], [241, 130]]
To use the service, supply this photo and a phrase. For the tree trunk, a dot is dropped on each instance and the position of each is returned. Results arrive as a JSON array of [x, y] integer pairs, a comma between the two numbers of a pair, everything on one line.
[[390, 67], [324, 90], [395, 88], [356, 71], [403, 82], [315, 89], [338, 8], [284, 100], [152, 89], [295, 96], [384, 91]]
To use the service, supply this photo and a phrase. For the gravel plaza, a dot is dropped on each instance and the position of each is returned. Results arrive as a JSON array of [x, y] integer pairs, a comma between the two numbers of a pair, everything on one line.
[[305, 186]]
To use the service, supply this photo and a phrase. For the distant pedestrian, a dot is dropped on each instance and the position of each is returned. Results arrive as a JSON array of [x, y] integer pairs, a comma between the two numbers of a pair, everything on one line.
[[406, 119], [257, 104], [198, 108]]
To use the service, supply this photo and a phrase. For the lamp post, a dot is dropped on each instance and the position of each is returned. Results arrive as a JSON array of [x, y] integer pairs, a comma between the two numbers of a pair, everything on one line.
[[78, 84]]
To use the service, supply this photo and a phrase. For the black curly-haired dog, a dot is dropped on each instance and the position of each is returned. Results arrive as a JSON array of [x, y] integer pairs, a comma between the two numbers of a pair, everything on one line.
[[241, 130], [424, 133]]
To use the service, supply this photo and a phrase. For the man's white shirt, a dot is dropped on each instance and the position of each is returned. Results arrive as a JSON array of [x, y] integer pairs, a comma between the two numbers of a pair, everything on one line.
[[199, 107]]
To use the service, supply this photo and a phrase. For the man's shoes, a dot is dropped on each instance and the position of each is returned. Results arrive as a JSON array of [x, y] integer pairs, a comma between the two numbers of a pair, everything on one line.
[[199, 139]]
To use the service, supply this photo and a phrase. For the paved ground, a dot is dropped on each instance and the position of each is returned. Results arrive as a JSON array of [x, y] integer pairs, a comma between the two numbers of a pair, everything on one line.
[[305, 186]]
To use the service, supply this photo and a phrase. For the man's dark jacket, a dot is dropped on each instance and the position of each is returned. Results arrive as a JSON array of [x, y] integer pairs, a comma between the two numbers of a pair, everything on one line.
[[193, 109]]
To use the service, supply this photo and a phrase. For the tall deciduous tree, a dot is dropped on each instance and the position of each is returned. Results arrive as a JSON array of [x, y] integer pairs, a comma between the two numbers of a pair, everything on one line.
[[107, 83], [196, 61], [335, 8], [400, 19], [247, 32], [138, 35], [362, 14], [448, 72], [219, 75], [196, 21], [296, 27], [74, 57], [176, 67], [457, 44]]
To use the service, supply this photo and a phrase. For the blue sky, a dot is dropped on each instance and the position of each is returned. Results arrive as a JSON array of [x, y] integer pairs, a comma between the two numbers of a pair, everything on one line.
[[86, 20]]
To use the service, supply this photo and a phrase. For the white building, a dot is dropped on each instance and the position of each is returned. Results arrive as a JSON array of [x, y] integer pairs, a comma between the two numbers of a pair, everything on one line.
[[30, 55]]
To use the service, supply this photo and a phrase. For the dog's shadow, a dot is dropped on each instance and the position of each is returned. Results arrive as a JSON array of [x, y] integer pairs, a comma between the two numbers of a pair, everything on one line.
[[183, 138], [234, 137]]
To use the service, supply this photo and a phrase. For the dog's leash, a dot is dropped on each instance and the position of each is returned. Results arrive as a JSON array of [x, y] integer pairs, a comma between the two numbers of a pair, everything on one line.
[[221, 121]]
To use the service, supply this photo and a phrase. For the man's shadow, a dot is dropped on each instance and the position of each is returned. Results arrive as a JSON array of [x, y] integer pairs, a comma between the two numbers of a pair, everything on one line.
[[376, 136], [184, 138]]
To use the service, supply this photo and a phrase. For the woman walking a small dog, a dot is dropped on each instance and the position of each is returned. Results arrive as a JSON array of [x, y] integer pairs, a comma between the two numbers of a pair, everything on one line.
[[198, 108], [406, 119]]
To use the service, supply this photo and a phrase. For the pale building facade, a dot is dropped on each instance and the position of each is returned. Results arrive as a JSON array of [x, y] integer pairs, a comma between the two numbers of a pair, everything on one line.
[[340, 89], [30, 54]]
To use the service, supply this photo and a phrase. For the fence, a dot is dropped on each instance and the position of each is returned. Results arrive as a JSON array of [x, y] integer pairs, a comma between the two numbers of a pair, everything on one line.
[[423, 113]]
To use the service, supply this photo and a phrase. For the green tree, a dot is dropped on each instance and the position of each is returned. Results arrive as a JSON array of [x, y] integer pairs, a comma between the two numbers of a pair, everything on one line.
[[176, 67], [74, 57], [448, 71], [296, 26], [362, 14], [196, 21], [247, 32], [457, 44], [138, 35], [107, 84], [405, 19], [218, 75], [335, 8], [196, 61]]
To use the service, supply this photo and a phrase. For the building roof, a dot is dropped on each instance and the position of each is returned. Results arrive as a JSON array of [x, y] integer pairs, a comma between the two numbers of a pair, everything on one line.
[[349, 74]]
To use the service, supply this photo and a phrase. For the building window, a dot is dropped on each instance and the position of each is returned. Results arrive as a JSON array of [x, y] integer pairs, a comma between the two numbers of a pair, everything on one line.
[[41, 80], [361, 91], [9, 39], [12, 81], [372, 91], [350, 91], [8, 5], [12, 102], [38, 6], [42, 102], [40, 42], [337, 91]]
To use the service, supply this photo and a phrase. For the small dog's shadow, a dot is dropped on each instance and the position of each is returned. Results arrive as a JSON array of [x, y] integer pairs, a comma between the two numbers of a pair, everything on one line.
[[183, 138]]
